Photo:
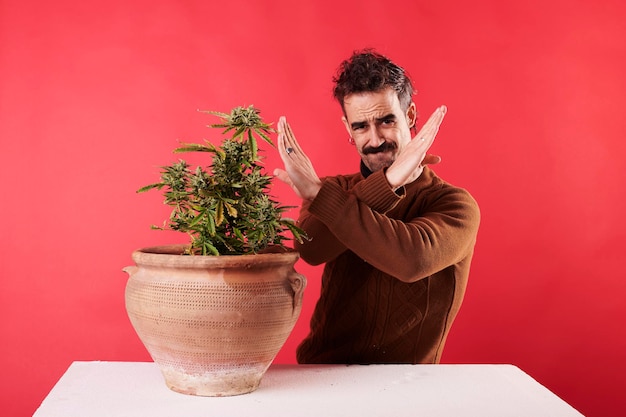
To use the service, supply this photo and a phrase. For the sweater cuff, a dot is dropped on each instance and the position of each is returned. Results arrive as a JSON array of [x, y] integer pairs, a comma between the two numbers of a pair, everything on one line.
[[328, 202], [377, 194], [374, 191]]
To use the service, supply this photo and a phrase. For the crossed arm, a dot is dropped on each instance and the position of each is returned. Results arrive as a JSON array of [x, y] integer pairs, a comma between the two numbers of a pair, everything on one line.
[[340, 216], [358, 217]]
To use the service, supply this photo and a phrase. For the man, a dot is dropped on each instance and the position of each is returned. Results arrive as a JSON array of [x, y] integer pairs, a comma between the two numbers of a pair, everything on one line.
[[396, 239]]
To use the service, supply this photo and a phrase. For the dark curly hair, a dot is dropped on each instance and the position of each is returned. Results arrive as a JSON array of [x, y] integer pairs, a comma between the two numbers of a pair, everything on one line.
[[369, 71]]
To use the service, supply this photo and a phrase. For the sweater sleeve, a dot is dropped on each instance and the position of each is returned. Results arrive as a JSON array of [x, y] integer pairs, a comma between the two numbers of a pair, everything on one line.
[[321, 245], [440, 233]]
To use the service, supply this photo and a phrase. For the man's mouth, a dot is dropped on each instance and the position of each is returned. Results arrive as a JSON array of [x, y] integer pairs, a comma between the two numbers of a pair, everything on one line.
[[385, 147]]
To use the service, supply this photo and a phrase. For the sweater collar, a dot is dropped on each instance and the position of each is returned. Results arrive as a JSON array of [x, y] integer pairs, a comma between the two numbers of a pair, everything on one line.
[[365, 171]]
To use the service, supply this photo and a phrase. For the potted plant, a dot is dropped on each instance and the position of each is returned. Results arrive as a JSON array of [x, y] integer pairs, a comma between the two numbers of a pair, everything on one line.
[[213, 314]]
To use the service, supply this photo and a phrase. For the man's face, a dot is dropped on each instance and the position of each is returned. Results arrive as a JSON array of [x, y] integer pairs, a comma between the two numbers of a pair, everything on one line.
[[379, 126]]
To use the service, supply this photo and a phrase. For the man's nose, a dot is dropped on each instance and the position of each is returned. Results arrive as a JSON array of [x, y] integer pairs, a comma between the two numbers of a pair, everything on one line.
[[375, 139]]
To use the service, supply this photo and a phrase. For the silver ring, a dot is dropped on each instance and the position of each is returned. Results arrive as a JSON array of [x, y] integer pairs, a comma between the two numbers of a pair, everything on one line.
[[288, 150]]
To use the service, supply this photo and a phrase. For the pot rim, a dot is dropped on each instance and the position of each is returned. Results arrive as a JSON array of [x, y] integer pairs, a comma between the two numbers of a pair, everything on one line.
[[171, 255]]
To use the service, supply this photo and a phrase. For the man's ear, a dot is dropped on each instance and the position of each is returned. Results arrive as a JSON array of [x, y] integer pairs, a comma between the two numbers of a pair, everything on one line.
[[347, 125], [411, 115]]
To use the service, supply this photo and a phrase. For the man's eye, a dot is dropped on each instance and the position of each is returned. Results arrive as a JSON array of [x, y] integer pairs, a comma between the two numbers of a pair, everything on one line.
[[388, 121]]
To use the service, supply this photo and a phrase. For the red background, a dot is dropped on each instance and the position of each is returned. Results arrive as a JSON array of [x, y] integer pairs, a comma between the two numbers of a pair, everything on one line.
[[93, 97]]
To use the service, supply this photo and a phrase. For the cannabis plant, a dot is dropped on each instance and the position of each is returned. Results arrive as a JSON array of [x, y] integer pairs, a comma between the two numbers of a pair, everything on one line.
[[226, 208]]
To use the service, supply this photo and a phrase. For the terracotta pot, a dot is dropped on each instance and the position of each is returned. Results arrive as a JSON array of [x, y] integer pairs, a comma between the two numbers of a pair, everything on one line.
[[213, 324]]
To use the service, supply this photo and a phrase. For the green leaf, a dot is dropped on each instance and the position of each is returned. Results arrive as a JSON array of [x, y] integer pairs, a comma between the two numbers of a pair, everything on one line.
[[207, 248], [158, 185], [265, 137], [195, 147], [239, 132], [194, 221], [218, 125], [215, 113], [253, 146], [219, 213], [297, 232], [232, 211], [211, 224]]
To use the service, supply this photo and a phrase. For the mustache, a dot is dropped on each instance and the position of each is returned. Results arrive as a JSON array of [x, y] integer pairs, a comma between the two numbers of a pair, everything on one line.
[[386, 146]]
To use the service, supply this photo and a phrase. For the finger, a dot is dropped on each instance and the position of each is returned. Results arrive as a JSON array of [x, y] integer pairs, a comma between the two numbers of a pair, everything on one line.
[[434, 121], [281, 145], [427, 133], [291, 138], [431, 160], [286, 138], [425, 137], [282, 175]]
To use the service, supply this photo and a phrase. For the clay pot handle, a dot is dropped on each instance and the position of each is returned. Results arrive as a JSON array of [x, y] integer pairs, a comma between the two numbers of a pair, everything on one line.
[[298, 283], [130, 270]]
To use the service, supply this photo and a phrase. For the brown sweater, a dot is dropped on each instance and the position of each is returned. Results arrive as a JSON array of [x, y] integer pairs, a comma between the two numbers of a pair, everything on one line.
[[396, 267]]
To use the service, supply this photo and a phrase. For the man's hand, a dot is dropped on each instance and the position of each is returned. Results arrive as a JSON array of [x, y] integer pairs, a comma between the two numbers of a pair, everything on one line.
[[299, 173], [410, 162]]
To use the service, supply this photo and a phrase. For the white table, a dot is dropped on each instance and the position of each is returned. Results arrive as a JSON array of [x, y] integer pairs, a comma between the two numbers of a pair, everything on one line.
[[137, 389]]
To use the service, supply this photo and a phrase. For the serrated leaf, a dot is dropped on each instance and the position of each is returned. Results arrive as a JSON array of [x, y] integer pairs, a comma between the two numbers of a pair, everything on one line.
[[215, 113], [232, 211], [194, 147], [218, 125], [265, 137], [208, 248], [158, 185], [298, 233], [219, 213], [239, 132], [253, 146], [194, 221], [211, 224]]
